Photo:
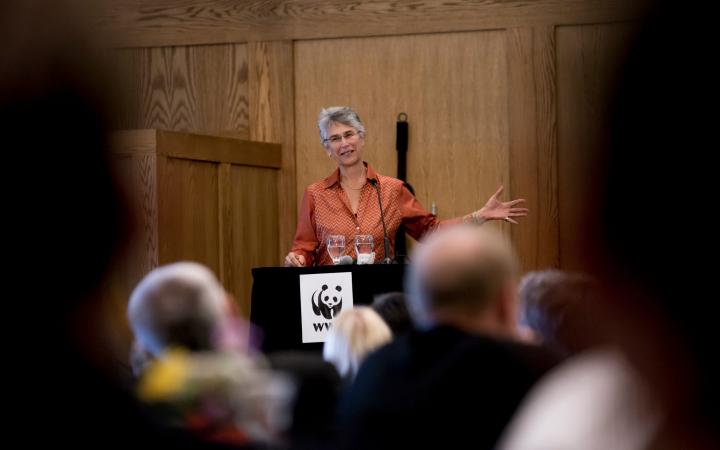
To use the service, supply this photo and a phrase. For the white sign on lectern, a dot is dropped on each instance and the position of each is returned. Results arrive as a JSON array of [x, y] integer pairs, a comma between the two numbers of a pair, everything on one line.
[[322, 297]]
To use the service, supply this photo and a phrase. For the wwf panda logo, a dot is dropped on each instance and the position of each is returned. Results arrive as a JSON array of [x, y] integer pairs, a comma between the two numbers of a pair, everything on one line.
[[326, 302]]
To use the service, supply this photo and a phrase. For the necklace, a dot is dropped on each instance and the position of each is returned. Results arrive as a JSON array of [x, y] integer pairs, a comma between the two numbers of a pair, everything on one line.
[[346, 184]]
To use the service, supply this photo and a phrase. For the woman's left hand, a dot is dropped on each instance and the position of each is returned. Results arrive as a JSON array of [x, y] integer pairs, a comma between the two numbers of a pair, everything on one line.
[[494, 209]]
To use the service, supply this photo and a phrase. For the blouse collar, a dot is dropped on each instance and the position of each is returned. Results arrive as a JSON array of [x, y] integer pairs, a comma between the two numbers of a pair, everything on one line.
[[334, 177]]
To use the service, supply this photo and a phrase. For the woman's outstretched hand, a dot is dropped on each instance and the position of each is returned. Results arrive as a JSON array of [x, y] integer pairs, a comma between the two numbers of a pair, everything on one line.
[[495, 209]]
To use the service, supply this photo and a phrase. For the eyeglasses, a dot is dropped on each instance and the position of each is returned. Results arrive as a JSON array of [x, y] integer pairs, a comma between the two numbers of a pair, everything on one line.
[[337, 138]]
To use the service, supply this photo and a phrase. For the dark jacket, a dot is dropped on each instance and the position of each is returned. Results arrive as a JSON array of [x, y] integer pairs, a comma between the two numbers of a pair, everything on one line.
[[439, 389]]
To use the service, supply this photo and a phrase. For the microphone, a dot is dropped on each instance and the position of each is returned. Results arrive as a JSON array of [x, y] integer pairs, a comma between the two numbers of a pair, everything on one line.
[[345, 260], [386, 239]]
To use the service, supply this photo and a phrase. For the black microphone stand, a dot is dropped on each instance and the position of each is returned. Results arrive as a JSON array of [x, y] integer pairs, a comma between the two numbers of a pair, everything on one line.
[[401, 145], [386, 239]]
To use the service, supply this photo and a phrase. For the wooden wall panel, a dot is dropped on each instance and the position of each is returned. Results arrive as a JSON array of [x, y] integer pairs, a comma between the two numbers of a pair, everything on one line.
[[135, 164], [518, 103], [135, 161], [588, 59], [218, 148], [184, 22], [253, 193], [200, 89], [227, 228], [200, 198], [188, 212], [453, 88], [272, 119], [533, 143]]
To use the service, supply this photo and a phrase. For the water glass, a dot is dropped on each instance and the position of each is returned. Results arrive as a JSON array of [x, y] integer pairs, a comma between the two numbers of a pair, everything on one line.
[[364, 248], [336, 247]]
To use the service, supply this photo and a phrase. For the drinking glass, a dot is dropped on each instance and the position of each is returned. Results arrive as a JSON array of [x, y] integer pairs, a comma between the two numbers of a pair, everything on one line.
[[364, 248], [336, 247]]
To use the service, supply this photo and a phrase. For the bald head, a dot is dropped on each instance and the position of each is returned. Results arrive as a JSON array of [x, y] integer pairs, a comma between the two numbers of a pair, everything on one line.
[[459, 271]]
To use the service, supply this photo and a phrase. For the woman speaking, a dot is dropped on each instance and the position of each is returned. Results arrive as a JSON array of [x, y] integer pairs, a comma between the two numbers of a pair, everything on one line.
[[346, 202]]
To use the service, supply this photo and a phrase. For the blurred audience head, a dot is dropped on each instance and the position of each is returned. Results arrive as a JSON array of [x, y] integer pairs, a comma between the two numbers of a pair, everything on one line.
[[552, 304], [391, 306], [464, 276], [354, 334], [54, 115], [178, 305], [313, 407], [652, 233]]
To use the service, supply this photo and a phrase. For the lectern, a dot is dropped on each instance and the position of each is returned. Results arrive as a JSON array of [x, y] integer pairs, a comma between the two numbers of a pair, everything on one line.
[[278, 302]]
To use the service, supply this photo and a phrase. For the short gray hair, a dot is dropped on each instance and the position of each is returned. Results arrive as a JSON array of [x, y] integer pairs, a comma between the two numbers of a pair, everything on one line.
[[179, 304], [338, 114]]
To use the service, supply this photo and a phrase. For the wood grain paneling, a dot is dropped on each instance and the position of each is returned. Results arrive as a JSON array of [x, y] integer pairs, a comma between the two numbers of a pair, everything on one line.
[[453, 88], [272, 119], [519, 103], [226, 227], [218, 148], [254, 220], [136, 163], [188, 212], [198, 88], [587, 65], [198, 198], [153, 23], [533, 143]]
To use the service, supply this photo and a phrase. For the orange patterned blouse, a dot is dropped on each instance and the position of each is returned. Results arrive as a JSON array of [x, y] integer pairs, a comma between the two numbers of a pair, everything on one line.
[[326, 210]]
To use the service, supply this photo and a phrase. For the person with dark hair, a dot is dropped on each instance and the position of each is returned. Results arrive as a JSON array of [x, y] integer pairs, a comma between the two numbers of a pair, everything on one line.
[[658, 388], [67, 223], [392, 307], [346, 203], [659, 280], [314, 405]]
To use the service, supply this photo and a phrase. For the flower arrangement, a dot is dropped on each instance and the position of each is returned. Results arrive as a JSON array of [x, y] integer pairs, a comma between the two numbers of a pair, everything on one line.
[[223, 396]]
